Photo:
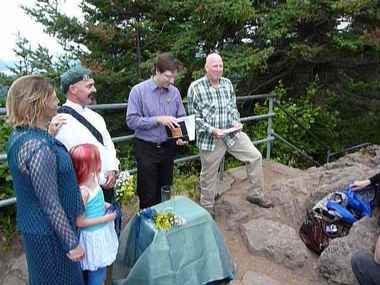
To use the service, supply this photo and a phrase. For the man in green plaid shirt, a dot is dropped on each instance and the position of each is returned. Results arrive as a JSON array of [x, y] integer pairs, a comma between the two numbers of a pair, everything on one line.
[[212, 99]]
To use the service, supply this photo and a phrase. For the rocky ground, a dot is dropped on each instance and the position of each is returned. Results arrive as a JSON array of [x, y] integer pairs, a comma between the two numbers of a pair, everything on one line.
[[13, 265], [264, 243], [261, 260]]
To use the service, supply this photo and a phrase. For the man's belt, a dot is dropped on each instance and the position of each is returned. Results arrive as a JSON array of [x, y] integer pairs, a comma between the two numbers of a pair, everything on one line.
[[156, 144]]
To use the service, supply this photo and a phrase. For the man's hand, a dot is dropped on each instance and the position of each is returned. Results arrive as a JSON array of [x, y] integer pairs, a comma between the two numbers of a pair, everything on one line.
[[218, 133], [181, 142], [359, 184], [168, 121], [75, 254], [238, 125], [56, 123], [111, 177]]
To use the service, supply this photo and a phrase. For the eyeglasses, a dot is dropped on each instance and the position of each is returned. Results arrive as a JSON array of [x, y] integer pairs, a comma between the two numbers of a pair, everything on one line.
[[169, 75]]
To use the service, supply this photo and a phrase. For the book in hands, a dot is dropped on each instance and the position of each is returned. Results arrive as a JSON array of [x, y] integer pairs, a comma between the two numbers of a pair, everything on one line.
[[185, 131], [177, 132]]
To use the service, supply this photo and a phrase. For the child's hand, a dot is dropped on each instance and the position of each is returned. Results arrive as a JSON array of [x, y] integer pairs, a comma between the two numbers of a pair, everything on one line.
[[114, 208], [111, 216], [75, 254]]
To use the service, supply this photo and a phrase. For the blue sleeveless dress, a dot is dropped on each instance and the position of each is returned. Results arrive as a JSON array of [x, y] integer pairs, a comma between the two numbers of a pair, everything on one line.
[[100, 241], [48, 203]]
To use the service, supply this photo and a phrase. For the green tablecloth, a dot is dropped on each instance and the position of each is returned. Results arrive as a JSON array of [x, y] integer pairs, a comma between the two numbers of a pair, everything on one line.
[[191, 254]]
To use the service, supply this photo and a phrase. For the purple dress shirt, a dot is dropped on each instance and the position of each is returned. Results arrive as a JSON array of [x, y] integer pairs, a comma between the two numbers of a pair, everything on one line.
[[147, 101]]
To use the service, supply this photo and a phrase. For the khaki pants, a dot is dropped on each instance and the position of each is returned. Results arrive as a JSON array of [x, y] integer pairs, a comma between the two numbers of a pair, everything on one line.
[[243, 150]]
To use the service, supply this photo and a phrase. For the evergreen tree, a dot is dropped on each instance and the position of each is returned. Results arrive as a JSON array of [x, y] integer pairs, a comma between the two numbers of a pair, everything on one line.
[[329, 46]]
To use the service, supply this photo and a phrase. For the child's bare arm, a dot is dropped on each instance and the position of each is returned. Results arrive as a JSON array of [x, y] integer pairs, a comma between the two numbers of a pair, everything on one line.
[[82, 221]]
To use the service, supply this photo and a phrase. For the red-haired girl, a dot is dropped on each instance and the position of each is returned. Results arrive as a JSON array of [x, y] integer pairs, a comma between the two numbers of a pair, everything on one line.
[[97, 236]]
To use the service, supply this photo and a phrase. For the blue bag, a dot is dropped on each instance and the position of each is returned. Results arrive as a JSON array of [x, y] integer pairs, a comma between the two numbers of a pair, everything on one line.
[[359, 204], [333, 216]]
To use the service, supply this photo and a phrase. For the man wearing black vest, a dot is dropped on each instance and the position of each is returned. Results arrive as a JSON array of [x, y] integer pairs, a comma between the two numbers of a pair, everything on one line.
[[83, 125]]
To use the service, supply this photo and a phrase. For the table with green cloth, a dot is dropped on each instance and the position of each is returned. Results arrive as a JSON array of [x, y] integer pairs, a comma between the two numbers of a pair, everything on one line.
[[193, 253]]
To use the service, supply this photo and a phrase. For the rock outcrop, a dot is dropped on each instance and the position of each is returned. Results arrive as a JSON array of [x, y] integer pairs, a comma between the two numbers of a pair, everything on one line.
[[335, 261], [273, 233], [283, 247]]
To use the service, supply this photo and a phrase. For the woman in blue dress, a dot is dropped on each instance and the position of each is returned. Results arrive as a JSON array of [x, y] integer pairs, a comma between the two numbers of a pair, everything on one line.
[[48, 197]]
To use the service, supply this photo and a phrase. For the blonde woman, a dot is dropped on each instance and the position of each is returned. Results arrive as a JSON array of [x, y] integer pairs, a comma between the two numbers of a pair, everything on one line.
[[48, 197]]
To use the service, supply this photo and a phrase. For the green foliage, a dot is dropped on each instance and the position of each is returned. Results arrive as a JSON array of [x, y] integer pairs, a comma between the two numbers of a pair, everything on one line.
[[357, 112], [5, 177], [186, 185], [7, 227], [38, 61], [8, 214], [314, 119], [5, 182], [5, 82]]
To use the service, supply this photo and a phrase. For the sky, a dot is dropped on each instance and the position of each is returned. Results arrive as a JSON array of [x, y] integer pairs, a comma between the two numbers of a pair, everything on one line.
[[14, 20]]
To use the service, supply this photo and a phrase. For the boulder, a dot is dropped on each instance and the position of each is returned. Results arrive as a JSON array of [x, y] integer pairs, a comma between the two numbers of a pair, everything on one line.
[[256, 278], [335, 260], [283, 247], [294, 196]]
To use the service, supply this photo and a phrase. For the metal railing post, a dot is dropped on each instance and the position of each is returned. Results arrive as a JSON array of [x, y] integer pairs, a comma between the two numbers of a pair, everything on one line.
[[269, 130], [328, 156]]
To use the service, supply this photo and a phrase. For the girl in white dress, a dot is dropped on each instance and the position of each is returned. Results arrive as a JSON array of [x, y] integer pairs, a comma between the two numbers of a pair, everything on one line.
[[97, 232]]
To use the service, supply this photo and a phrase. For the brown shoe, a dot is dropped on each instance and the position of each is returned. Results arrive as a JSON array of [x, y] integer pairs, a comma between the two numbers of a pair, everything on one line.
[[261, 202]]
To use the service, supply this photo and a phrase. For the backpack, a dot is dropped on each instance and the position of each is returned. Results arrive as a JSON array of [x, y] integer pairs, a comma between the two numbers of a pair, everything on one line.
[[333, 216]]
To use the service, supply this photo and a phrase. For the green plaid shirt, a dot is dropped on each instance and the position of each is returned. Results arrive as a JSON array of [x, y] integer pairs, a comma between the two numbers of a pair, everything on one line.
[[213, 108]]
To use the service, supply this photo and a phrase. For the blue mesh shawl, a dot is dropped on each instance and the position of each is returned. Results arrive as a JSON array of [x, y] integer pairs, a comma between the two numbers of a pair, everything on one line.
[[48, 202]]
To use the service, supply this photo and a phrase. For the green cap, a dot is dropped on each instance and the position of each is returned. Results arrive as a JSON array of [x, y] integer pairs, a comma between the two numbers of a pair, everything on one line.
[[74, 75]]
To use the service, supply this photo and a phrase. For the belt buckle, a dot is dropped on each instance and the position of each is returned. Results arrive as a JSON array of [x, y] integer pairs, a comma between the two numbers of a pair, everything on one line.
[[158, 145]]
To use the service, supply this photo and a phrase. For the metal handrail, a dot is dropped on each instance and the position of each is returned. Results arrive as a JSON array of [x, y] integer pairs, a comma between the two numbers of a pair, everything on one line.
[[120, 139], [123, 106], [300, 151], [315, 137], [349, 149], [116, 106]]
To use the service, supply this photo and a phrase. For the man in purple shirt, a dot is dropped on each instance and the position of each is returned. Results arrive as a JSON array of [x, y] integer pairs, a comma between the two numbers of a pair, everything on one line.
[[153, 105]]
